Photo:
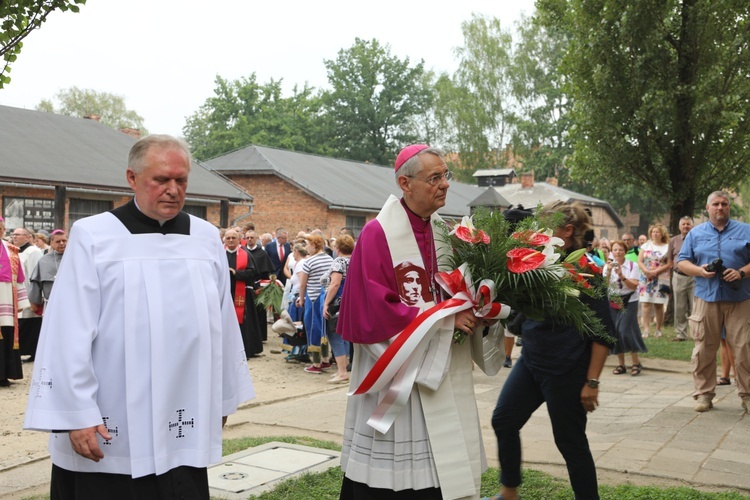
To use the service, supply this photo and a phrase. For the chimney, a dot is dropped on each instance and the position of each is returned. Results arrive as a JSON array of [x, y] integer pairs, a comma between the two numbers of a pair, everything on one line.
[[552, 181], [92, 116], [132, 132], [527, 180]]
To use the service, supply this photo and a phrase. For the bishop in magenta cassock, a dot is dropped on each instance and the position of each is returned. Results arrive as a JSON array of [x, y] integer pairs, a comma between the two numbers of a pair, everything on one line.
[[430, 445]]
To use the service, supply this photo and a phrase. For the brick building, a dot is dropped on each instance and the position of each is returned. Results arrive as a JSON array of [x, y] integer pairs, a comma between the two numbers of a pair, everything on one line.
[[301, 191], [57, 169]]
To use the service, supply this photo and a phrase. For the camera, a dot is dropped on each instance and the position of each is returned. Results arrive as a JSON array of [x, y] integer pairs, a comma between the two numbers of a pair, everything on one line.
[[717, 266]]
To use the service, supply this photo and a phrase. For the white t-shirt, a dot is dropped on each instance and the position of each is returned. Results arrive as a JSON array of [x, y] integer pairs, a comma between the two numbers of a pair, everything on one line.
[[630, 271]]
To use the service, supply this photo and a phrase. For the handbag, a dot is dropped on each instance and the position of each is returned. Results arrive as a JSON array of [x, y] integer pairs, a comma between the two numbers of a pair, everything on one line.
[[334, 306], [665, 289]]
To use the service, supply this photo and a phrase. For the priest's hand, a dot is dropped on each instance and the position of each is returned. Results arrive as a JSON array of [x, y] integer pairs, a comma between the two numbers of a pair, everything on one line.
[[86, 444], [466, 321]]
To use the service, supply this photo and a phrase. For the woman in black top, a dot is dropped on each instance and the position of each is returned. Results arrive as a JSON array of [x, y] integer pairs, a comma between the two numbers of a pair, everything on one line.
[[559, 367]]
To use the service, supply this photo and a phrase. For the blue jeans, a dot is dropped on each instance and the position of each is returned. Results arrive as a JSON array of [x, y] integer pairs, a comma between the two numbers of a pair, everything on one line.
[[524, 391], [339, 346]]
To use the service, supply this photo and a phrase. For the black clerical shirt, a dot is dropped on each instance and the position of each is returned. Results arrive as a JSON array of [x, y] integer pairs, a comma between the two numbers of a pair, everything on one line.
[[138, 223]]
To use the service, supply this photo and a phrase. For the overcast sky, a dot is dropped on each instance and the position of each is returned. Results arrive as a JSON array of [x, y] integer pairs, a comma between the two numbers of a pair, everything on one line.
[[163, 55]]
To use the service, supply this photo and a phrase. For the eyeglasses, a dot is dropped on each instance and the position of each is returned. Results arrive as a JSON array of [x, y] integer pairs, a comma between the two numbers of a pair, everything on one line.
[[435, 179]]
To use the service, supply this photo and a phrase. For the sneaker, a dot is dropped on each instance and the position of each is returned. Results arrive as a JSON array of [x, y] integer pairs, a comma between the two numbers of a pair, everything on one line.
[[518, 341], [325, 366], [746, 403], [314, 369], [703, 403], [508, 362]]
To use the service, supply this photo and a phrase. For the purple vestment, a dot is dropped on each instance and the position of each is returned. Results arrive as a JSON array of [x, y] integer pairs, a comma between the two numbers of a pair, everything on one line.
[[371, 309]]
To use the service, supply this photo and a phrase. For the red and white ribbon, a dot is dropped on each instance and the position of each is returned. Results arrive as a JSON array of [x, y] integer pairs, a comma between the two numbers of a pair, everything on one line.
[[399, 364], [459, 285], [265, 283]]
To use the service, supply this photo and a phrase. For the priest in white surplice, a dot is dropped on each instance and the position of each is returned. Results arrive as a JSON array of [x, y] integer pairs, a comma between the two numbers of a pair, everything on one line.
[[140, 359], [430, 445]]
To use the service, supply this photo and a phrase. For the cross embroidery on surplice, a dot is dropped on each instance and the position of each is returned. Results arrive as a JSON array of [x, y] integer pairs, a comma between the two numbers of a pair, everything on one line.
[[181, 423], [113, 431], [42, 385]]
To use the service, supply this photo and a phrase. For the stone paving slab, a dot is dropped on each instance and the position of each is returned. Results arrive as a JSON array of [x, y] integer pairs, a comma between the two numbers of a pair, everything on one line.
[[255, 470]]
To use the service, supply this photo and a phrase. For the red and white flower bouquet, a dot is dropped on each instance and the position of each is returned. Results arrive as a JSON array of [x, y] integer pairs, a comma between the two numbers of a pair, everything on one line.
[[527, 267]]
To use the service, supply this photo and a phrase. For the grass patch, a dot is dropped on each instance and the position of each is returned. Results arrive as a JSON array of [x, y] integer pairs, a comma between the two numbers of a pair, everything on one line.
[[665, 347], [320, 486], [536, 484], [230, 446]]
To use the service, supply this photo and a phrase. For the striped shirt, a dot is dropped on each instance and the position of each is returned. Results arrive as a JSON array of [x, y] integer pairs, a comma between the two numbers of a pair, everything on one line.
[[315, 267]]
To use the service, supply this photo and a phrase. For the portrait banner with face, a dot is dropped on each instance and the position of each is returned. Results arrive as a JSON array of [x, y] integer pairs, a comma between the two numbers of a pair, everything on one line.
[[413, 284]]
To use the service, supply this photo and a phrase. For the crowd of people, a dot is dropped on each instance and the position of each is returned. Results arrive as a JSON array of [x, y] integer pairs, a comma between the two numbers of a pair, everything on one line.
[[312, 271], [28, 266], [701, 270], [135, 315]]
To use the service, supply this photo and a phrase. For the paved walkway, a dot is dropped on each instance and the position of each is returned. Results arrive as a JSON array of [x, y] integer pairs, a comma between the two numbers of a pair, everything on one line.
[[645, 426]]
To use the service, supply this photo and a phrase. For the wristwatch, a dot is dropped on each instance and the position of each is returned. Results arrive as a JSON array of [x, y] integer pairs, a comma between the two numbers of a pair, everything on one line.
[[593, 383], [742, 274]]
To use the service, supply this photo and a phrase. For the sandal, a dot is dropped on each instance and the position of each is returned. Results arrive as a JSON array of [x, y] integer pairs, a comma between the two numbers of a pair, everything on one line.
[[619, 370], [636, 369], [723, 381]]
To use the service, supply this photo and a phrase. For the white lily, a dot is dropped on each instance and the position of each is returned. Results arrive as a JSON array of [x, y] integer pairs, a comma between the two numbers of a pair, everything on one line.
[[466, 222], [550, 256], [554, 240]]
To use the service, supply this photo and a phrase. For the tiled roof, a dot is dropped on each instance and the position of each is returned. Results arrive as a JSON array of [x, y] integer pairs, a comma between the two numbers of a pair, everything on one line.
[[49, 149], [341, 184]]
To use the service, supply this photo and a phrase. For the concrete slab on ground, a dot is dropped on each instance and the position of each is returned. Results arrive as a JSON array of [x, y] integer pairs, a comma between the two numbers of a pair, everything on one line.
[[255, 470]]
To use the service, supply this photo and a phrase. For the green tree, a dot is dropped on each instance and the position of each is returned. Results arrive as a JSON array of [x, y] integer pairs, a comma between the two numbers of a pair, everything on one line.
[[244, 112], [541, 121], [81, 102], [18, 18], [474, 107], [374, 101], [660, 93]]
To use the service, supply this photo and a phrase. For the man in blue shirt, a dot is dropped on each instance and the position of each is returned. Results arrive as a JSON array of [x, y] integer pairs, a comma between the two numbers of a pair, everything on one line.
[[721, 297]]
